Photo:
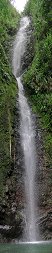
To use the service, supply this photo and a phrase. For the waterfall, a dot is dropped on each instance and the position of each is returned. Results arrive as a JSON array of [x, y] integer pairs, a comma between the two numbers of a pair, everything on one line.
[[27, 133], [19, 46]]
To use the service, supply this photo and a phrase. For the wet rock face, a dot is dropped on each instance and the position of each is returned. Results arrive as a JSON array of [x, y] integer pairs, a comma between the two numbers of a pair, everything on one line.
[[12, 221], [46, 225], [12, 204], [27, 57], [29, 52]]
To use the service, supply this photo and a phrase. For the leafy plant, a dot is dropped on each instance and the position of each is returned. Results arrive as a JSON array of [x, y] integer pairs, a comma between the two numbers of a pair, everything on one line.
[[9, 21]]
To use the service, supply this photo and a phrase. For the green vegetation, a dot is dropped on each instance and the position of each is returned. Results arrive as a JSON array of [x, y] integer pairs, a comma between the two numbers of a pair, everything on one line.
[[9, 20], [37, 77]]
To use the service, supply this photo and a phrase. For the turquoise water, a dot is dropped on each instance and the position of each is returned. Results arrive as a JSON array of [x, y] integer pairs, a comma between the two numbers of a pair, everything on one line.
[[27, 248]]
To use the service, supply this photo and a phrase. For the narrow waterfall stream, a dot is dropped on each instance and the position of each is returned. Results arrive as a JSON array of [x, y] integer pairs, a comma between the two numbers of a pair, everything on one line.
[[27, 133]]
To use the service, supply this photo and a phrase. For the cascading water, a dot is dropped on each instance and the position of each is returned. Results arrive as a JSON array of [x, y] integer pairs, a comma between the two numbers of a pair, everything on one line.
[[26, 134], [19, 47]]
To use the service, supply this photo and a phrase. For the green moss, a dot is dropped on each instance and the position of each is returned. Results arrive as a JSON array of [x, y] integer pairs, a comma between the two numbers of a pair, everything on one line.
[[9, 22], [38, 78]]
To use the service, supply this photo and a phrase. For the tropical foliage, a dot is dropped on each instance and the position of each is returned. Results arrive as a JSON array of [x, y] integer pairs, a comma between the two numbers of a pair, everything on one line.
[[38, 77], [9, 20]]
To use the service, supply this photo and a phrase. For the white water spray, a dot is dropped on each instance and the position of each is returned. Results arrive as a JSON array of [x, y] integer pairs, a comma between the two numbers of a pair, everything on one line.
[[26, 133]]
